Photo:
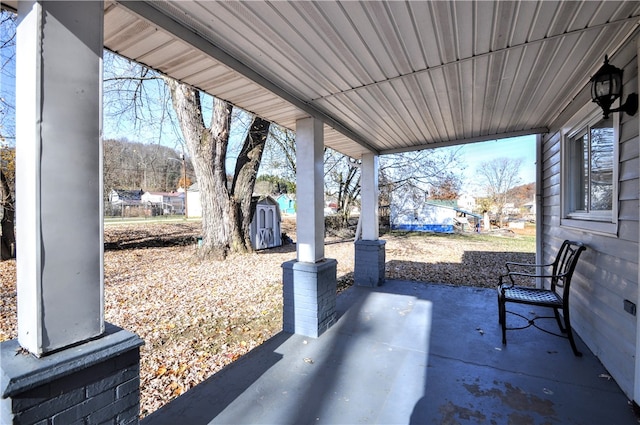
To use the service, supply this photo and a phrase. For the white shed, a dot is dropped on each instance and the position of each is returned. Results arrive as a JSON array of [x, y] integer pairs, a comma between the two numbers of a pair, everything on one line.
[[265, 226]]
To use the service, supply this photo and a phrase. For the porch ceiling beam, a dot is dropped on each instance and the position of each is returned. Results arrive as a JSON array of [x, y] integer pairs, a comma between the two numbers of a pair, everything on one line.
[[179, 30], [539, 130]]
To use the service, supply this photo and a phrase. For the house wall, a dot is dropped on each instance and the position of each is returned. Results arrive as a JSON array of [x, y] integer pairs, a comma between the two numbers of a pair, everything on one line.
[[607, 273], [193, 204], [151, 197], [410, 212]]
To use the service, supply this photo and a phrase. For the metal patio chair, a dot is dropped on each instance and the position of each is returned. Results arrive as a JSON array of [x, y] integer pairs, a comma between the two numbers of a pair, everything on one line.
[[557, 276]]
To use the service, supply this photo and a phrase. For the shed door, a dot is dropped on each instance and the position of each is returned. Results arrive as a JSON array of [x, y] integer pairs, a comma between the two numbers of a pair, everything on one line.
[[266, 224]]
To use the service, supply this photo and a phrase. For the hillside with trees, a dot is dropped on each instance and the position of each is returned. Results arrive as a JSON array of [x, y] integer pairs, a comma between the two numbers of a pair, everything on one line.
[[150, 167]]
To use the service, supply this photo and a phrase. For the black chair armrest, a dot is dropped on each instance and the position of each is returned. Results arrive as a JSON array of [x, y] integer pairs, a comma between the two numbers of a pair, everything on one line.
[[512, 282], [511, 263]]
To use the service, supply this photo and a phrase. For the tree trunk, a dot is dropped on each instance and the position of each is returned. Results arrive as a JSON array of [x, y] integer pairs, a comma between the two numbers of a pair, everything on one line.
[[208, 149], [244, 182], [7, 238], [226, 214]]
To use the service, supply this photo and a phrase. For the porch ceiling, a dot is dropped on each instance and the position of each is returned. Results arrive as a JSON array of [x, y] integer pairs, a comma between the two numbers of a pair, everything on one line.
[[383, 76]]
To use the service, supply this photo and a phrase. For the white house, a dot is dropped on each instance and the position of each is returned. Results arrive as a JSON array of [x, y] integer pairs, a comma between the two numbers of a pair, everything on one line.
[[410, 210], [466, 202], [165, 202]]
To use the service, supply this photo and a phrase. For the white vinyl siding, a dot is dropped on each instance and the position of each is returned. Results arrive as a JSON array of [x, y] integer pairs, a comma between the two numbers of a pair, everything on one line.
[[607, 273]]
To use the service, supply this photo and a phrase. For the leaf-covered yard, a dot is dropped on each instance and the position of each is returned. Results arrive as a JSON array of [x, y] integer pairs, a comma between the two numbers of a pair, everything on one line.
[[198, 316]]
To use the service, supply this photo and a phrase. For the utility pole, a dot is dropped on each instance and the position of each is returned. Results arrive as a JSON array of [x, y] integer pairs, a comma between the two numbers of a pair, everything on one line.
[[184, 180]]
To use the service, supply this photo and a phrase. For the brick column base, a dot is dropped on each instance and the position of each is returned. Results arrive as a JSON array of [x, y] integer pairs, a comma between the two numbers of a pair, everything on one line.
[[370, 261], [95, 382], [309, 297]]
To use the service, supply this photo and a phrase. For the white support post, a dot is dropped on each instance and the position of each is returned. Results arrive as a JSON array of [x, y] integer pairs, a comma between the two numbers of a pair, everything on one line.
[[539, 200], [310, 281], [310, 190], [59, 235], [370, 251], [59, 173], [369, 196]]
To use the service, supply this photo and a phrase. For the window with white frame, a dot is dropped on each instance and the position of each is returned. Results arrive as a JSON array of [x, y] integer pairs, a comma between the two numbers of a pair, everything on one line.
[[590, 176]]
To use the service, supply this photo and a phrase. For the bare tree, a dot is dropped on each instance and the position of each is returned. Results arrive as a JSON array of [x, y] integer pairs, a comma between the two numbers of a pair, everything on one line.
[[280, 153], [342, 182], [226, 213], [244, 181], [7, 203], [429, 169], [447, 188], [7, 134], [7, 76], [499, 176], [142, 95]]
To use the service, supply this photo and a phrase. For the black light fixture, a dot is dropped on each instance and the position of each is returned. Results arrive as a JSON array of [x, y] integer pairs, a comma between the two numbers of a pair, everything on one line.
[[606, 88]]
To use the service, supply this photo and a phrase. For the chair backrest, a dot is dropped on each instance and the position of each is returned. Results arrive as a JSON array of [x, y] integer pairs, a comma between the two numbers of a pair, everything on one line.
[[564, 265]]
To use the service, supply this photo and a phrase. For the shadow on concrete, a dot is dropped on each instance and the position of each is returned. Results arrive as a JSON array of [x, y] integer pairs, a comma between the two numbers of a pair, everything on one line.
[[362, 370], [409, 352]]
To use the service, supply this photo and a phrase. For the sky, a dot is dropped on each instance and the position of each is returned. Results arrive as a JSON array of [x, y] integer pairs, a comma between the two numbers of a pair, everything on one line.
[[517, 147], [472, 155]]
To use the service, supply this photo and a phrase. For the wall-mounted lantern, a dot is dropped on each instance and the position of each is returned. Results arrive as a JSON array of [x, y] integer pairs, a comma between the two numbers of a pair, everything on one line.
[[606, 88]]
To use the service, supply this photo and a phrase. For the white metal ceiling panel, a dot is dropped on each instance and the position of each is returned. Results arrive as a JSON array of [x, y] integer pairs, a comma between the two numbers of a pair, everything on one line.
[[383, 76]]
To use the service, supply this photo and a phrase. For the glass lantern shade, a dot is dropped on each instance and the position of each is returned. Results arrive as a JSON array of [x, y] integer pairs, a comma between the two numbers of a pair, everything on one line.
[[606, 86]]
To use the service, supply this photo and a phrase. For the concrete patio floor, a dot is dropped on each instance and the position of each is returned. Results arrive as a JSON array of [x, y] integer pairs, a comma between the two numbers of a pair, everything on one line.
[[409, 352]]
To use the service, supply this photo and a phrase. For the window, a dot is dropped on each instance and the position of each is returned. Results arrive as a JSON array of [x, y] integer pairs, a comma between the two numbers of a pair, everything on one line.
[[590, 184]]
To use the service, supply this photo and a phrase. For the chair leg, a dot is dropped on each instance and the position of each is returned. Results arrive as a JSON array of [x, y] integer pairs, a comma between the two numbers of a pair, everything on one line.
[[502, 319], [567, 325], [560, 325]]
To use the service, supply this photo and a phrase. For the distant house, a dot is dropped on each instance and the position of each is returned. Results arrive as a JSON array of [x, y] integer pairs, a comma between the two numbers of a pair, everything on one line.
[[125, 197], [164, 203], [510, 209], [467, 202], [286, 203], [530, 209], [410, 210], [330, 207], [124, 203]]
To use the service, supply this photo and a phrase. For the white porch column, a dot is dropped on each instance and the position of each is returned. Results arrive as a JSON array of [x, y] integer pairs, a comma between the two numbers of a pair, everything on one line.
[[309, 190], [369, 197], [370, 251], [84, 372], [310, 281], [59, 173], [539, 200]]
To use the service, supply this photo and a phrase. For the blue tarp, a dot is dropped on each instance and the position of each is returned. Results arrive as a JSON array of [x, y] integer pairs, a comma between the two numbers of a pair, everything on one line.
[[434, 228]]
